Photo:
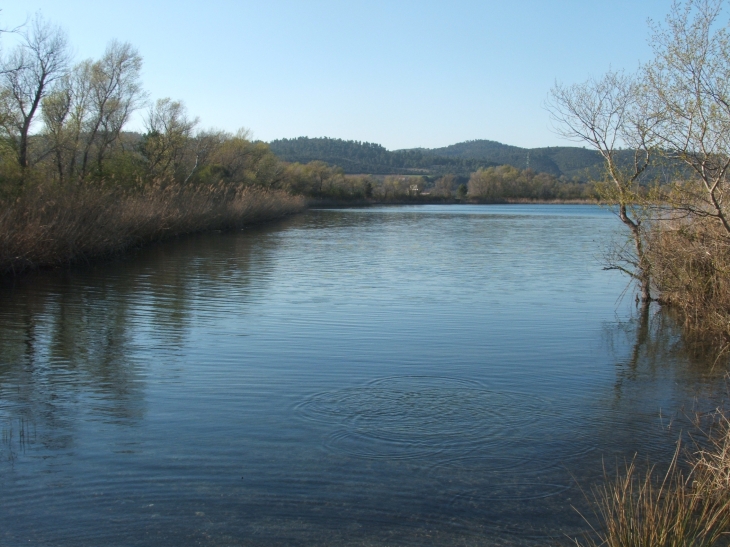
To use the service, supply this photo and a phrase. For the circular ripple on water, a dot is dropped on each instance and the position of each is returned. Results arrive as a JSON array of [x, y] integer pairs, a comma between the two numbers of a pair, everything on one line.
[[413, 416]]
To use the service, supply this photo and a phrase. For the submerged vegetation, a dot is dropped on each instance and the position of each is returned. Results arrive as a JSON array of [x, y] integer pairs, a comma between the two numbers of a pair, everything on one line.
[[691, 272]]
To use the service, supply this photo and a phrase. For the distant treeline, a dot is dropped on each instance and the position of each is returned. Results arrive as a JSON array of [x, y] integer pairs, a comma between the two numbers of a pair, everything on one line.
[[506, 183], [569, 164], [355, 157], [491, 185]]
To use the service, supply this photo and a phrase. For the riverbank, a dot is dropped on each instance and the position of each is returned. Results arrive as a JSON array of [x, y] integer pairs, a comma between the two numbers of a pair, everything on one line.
[[324, 203], [52, 226]]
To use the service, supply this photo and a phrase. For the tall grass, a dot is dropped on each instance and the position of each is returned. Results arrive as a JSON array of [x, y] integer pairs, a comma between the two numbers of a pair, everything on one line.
[[688, 506], [48, 226]]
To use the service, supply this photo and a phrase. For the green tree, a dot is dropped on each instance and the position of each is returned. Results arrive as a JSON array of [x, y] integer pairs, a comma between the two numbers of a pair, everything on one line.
[[167, 143], [115, 92]]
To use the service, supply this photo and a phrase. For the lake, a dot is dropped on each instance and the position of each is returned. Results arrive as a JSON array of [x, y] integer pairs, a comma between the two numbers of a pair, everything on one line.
[[416, 375]]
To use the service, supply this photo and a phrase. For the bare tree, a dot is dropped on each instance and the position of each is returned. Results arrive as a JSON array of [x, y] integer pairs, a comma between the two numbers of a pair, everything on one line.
[[608, 113], [444, 186], [14, 30], [115, 92], [168, 139], [27, 75], [688, 86], [56, 107]]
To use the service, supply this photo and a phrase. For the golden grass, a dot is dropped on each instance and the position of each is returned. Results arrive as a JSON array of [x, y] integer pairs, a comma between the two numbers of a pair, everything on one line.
[[711, 465], [675, 509], [52, 226]]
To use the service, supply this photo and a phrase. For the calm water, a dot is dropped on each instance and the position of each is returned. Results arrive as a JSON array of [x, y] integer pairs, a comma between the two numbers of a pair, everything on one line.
[[391, 376]]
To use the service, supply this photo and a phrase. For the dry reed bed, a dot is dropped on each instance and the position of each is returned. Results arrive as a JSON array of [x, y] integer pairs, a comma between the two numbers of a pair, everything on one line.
[[52, 226], [690, 261], [682, 508]]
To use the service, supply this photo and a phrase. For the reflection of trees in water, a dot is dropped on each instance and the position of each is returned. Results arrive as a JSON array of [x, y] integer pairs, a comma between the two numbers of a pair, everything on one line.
[[656, 347], [75, 341], [661, 384], [74, 345], [649, 403]]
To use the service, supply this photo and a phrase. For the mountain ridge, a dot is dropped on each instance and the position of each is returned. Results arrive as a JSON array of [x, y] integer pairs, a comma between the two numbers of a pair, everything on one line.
[[573, 163]]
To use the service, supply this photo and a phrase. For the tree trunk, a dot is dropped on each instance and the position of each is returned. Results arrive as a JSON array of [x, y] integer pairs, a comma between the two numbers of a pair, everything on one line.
[[643, 268]]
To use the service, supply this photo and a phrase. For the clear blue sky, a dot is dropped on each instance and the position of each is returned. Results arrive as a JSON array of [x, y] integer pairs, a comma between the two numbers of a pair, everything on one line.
[[400, 73]]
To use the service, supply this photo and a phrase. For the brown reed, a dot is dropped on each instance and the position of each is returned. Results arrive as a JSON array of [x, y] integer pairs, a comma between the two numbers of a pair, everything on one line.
[[680, 508], [50, 226], [690, 261]]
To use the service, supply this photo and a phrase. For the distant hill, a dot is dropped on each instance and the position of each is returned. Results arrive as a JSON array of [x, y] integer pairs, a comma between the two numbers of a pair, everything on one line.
[[364, 157], [568, 161], [462, 159]]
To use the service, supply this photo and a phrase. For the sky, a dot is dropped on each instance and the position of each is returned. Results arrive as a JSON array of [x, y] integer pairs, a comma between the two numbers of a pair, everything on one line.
[[400, 73]]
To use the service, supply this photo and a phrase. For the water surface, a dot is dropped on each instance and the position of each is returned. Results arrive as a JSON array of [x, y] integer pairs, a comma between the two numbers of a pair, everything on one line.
[[406, 375]]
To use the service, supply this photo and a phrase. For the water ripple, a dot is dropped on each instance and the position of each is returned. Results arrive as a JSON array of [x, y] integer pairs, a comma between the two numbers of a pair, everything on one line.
[[414, 416]]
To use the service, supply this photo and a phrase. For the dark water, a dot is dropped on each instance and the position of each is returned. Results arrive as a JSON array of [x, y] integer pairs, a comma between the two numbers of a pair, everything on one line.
[[400, 376]]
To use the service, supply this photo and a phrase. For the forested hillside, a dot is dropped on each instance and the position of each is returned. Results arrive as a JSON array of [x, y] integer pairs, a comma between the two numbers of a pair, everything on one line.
[[356, 157], [458, 159], [568, 161]]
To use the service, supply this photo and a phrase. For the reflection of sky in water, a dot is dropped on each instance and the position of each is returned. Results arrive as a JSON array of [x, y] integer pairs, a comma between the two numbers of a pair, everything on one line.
[[409, 375]]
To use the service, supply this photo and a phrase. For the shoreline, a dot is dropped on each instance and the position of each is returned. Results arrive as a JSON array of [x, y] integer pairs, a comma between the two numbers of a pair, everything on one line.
[[345, 204], [63, 232], [44, 230]]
